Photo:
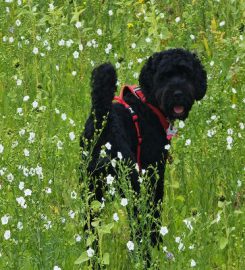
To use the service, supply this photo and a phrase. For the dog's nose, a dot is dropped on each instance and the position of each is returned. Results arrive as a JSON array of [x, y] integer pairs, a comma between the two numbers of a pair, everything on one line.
[[178, 93]]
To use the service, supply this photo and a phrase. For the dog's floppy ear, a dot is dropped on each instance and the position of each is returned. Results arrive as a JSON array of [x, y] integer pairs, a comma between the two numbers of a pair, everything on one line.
[[146, 76], [200, 79], [147, 73]]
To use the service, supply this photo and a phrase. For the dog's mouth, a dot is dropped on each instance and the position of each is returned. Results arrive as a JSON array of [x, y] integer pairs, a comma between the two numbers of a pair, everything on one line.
[[178, 110]]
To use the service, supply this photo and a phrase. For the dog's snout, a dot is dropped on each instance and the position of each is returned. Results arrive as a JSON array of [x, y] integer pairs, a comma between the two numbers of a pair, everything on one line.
[[178, 93]]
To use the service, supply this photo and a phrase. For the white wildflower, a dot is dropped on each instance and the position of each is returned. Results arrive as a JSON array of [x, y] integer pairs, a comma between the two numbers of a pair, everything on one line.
[[48, 190], [90, 252], [99, 32], [73, 195], [21, 185], [163, 231], [32, 136], [115, 217], [72, 136], [18, 82], [140, 179], [27, 192], [78, 25], [112, 191], [181, 124], [229, 140], [76, 55], [187, 142], [218, 217], [71, 214], [61, 42], [148, 40], [35, 104], [124, 201], [177, 239], [192, 37], [167, 147], [60, 145], [108, 146], [21, 201], [193, 263], [133, 45], [26, 98], [177, 19], [51, 7], [113, 163], [80, 47], [241, 125], [63, 116], [1, 148], [10, 177], [188, 224], [78, 238], [130, 246], [222, 23], [181, 246], [230, 131], [5, 219], [35, 50], [109, 179], [20, 225], [69, 43], [7, 235]]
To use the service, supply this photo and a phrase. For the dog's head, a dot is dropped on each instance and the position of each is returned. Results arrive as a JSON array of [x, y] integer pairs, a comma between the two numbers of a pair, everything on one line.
[[172, 80]]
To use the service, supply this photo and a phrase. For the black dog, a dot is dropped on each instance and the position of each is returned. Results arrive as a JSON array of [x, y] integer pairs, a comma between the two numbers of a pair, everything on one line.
[[170, 82]]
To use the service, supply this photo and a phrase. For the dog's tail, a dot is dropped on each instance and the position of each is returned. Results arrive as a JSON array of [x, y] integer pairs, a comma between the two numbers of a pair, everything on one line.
[[103, 82]]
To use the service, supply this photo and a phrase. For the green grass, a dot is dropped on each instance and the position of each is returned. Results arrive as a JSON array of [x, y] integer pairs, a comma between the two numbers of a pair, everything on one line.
[[205, 183]]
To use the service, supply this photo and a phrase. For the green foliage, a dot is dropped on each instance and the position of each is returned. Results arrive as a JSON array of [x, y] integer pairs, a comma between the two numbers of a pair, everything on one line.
[[47, 53]]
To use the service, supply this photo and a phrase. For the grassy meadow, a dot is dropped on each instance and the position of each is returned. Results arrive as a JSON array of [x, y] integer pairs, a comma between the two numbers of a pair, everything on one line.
[[47, 53]]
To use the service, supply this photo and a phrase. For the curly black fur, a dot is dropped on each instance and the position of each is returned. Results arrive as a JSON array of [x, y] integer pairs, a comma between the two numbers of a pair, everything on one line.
[[171, 80]]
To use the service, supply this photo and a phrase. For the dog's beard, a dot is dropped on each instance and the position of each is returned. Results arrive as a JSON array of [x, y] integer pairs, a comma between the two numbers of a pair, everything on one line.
[[175, 106], [178, 109]]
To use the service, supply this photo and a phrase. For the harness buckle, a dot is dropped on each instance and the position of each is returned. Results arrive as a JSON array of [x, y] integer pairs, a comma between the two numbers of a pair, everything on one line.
[[171, 132]]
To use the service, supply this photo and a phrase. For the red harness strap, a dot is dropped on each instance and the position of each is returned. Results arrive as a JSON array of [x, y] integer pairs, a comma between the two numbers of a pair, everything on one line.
[[136, 91]]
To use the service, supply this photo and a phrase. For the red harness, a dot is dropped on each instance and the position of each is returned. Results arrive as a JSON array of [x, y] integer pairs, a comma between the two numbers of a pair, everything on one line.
[[136, 91]]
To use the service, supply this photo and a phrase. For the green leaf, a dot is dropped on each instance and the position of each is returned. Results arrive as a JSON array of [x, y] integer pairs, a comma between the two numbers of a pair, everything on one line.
[[238, 212], [220, 204], [90, 240], [223, 241], [175, 185], [180, 198], [106, 228], [95, 205], [106, 259], [76, 15], [95, 223], [83, 258]]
